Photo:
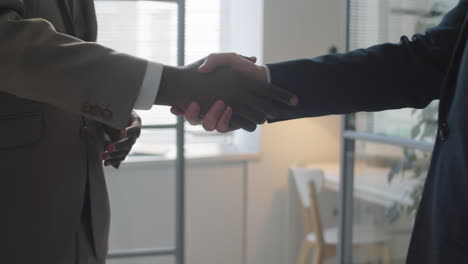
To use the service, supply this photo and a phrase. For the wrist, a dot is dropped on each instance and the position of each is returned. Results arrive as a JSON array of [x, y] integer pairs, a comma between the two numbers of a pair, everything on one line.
[[166, 87]]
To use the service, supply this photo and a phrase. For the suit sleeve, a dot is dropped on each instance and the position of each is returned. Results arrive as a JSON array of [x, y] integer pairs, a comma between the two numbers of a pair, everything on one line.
[[387, 76], [40, 64]]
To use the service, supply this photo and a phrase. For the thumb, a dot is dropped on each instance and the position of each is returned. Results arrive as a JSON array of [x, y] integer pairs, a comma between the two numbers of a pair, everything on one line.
[[177, 111], [251, 59], [223, 60], [209, 65], [217, 60]]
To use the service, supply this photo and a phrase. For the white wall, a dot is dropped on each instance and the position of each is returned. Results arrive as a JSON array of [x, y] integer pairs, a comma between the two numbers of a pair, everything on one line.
[[291, 29]]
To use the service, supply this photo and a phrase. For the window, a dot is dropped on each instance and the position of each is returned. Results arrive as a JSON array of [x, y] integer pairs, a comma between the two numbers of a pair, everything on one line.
[[379, 21], [148, 29], [386, 154]]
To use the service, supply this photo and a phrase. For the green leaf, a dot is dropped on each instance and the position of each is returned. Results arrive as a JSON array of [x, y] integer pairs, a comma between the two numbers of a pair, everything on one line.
[[393, 213]]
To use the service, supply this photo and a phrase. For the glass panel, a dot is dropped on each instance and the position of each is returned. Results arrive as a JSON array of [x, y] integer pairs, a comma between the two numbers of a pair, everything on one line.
[[378, 21], [405, 123], [388, 180], [146, 29], [388, 183], [202, 28]]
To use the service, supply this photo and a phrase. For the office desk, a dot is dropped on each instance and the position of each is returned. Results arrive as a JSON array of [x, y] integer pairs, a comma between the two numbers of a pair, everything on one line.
[[370, 184]]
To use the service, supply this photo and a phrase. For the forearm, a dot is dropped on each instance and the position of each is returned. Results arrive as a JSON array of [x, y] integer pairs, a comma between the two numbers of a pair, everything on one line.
[[45, 66], [388, 76], [363, 80]]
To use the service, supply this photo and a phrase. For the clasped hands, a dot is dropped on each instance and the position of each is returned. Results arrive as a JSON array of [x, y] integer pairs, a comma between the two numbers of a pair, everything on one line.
[[223, 92]]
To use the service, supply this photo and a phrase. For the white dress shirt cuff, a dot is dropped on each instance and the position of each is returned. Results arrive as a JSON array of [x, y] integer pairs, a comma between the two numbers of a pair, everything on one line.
[[268, 74], [150, 87]]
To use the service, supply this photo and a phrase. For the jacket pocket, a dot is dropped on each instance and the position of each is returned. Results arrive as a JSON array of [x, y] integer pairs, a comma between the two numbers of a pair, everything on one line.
[[21, 129]]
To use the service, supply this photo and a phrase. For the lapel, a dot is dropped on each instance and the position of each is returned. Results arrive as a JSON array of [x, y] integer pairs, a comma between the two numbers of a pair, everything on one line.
[[89, 16], [448, 87]]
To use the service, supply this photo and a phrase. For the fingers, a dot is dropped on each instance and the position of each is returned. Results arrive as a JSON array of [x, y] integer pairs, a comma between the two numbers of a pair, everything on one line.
[[219, 117], [213, 115], [115, 160], [123, 141], [283, 96], [114, 163], [248, 113], [242, 123], [192, 114], [177, 111], [118, 151], [233, 127], [119, 155], [122, 145], [114, 134], [133, 131], [224, 123], [251, 59], [267, 110], [214, 61]]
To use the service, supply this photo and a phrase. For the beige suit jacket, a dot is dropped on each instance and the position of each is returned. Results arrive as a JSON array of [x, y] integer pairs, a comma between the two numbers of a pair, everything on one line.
[[49, 81]]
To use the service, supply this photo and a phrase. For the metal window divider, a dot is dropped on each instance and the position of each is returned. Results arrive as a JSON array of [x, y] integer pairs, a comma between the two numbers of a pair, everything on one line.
[[344, 252]]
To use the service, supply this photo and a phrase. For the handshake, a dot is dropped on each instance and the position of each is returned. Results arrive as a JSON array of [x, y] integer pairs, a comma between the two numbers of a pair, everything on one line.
[[223, 92]]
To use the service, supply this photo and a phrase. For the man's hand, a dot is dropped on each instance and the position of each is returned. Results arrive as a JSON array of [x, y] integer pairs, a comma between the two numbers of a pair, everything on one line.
[[219, 116], [242, 97], [236, 62], [122, 141]]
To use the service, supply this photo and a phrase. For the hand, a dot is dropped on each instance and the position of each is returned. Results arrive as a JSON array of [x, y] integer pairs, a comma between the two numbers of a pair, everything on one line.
[[236, 62], [219, 116], [122, 141], [250, 100]]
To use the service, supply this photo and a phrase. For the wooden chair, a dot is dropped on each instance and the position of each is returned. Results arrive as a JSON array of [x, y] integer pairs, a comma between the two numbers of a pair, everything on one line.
[[367, 241]]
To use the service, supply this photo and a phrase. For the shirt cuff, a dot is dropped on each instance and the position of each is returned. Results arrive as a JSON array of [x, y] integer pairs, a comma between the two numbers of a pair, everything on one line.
[[150, 87], [268, 73]]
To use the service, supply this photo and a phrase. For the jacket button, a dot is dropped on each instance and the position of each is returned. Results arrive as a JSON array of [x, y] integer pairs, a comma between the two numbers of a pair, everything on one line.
[[443, 131]]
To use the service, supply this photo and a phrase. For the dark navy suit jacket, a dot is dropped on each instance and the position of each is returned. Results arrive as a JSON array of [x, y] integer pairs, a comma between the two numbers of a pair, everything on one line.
[[409, 74]]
